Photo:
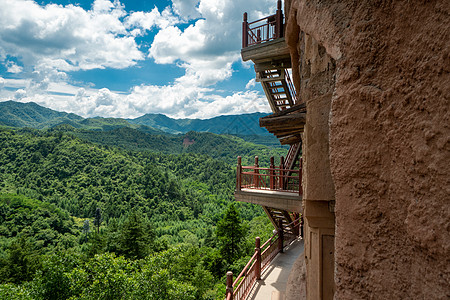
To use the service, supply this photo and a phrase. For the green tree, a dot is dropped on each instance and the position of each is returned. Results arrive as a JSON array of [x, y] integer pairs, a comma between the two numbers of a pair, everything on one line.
[[230, 233], [135, 237], [21, 262], [86, 229], [98, 219]]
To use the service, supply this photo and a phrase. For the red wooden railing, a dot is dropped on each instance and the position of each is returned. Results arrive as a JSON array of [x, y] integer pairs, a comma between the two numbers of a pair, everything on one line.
[[263, 30], [243, 284], [272, 178]]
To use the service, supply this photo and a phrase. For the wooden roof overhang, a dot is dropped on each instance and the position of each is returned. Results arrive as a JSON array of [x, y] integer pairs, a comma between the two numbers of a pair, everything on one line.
[[286, 125]]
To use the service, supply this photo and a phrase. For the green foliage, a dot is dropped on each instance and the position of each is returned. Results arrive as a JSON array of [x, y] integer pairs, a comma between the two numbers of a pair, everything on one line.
[[159, 211], [230, 233], [20, 264], [103, 277], [98, 219], [16, 292], [44, 225], [51, 281], [135, 240]]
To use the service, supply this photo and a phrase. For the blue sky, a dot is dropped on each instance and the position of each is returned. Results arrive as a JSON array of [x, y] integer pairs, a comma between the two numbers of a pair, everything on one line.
[[127, 58]]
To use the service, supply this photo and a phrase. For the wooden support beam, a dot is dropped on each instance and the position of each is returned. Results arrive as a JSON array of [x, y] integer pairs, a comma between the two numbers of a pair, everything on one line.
[[274, 64], [285, 127], [301, 106], [289, 140], [291, 119]]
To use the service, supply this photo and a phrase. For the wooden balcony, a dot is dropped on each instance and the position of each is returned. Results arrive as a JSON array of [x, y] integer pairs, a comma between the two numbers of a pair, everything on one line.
[[263, 41], [276, 187]]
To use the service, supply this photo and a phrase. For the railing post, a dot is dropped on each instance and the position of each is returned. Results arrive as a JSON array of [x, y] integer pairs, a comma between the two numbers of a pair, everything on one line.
[[229, 293], [279, 21], [239, 174], [245, 32], [258, 36], [280, 236], [256, 176], [281, 179], [301, 226], [272, 174], [300, 171], [258, 258], [296, 227]]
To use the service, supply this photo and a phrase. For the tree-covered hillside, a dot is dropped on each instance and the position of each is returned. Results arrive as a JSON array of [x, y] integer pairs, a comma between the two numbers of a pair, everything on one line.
[[77, 216], [32, 115], [16, 114], [224, 147]]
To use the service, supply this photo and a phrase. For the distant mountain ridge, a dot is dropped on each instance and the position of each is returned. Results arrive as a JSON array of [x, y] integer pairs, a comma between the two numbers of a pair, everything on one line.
[[17, 114], [245, 124]]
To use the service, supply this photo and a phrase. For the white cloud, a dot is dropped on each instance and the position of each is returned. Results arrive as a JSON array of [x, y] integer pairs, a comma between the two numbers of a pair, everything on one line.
[[67, 38], [214, 39], [20, 94], [250, 84], [12, 67], [186, 9], [53, 40], [2, 82], [148, 20]]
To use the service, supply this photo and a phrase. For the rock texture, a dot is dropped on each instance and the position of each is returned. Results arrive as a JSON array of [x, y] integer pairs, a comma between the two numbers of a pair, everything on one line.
[[389, 141]]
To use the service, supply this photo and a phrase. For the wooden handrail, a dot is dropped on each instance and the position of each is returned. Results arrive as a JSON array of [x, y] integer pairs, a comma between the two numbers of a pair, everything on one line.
[[241, 286], [271, 178], [272, 29]]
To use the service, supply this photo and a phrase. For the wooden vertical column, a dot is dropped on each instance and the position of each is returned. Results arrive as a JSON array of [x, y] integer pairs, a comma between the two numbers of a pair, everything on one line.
[[229, 291], [280, 236], [245, 32], [279, 27], [256, 176], [272, 174], [258, 258], [239, 174], [281, 179]]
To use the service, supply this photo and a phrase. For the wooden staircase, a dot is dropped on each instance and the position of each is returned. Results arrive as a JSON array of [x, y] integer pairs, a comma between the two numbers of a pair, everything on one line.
[[282, 217], [281, 94], [292, 156], [278, 88]]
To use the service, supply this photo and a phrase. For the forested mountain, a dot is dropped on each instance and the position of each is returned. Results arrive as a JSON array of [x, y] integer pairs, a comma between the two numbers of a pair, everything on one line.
[[17, 114], [245, 124], [225, 147], [145, 220], [107, 208]]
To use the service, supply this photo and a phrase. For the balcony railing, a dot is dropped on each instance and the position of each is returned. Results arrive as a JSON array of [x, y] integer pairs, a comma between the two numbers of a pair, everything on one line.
[[263, 256], [263, 30], [272, 178]]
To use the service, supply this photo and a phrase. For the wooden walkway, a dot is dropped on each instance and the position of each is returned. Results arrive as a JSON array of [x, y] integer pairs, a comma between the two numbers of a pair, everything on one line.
[[272, 285]]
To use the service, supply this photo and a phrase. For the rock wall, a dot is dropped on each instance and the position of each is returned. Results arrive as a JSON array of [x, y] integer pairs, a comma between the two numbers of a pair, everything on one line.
[[389, 141]]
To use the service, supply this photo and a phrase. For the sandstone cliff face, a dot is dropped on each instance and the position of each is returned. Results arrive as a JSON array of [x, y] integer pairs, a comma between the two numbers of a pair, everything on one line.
[[389, 141]]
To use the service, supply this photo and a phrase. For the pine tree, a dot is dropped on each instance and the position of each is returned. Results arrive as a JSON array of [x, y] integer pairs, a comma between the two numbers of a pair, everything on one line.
[[135, 236], [98, 219], [230, 233]]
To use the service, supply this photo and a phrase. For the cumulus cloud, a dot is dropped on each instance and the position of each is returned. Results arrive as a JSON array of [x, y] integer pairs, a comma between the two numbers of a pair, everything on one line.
[[214, 38], [2, 82], [20, 94], [67, 38], [186, 9], [12, 67], [51, 41], [142, 21], [250, 84]]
